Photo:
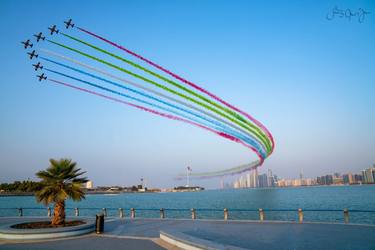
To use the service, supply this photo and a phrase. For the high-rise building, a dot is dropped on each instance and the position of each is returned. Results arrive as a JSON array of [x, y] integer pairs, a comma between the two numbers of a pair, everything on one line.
[[364, 177], [243, 181], [248, 180], [358, 178], [319, 180], [270, 179], [329, 179], [322, 180], [351, 178], [369, 175], [345, 178], [263, 180], [348, 179], [254, 178]]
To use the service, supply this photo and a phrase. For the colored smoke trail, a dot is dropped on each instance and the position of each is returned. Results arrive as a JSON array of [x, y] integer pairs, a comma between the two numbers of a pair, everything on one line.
[[152, 91], [232, 171], [176, 118], [186, 82], [250, 129], [218, 126], [171, 96], [233, 114]]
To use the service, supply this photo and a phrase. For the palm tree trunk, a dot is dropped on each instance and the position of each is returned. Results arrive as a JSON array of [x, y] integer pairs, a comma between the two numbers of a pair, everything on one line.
[[59, 213]]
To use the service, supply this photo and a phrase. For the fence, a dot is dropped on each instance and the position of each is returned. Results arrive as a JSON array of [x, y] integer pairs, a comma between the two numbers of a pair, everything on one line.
[[300, 215]]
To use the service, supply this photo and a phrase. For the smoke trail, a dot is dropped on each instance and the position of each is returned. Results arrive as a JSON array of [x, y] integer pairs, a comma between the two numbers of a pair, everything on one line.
[[251, 129], [146, 89], [232, 171], [184, 81], [229, 137], [154, 92], [228, 111], [219, 125]]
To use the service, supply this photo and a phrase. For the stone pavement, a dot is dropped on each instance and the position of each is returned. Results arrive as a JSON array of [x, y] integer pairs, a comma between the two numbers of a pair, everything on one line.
[[143, 233], [89, 242], [253, 234]]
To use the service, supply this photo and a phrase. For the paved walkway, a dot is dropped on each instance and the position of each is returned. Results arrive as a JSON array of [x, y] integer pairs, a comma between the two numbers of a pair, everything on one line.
[[90, 242], [87, 242], [142, 234], [255, 235]]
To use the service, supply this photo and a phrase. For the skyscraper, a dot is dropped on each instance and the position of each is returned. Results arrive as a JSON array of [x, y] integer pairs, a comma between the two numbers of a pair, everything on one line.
[[254, 178], [243, 182], [329, 179], [248, 180], [358, 178], [263, 180], [345, 178], [368, 175], [270, 179]]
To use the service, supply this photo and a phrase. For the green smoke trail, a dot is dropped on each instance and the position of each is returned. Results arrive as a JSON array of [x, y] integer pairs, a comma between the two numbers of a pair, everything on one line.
[[261, 133], [253, 129]]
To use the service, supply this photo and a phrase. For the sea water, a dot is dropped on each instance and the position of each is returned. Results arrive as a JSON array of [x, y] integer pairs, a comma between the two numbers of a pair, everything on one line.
[[241, 204]]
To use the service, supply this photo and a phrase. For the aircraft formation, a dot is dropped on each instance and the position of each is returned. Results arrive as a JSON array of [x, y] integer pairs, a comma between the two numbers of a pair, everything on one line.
[[39, 37], [151, 88]]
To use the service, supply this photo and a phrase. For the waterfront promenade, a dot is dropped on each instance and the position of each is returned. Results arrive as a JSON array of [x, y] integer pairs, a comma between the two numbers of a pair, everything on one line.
[[145, 233]]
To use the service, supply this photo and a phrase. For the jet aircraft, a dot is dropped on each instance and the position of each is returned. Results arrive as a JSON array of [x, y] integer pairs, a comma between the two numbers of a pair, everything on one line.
[[42, 77], [53, 29], [39, 37], [27, 43], [37, 66], [69, 23], [33, 54]]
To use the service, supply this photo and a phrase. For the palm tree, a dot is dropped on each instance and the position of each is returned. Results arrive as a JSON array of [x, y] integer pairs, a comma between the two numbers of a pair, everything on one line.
[[60, 181]]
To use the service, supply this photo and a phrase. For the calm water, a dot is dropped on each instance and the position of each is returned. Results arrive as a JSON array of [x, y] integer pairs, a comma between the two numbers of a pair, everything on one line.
[[325, 198]]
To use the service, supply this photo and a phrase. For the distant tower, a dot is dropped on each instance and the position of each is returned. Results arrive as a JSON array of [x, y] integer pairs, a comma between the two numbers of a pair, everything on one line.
[[188, 171], [271, 180]]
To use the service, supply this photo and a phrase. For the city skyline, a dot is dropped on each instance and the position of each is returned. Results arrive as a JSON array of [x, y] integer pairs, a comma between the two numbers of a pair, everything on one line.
[[313, 90], [254, 179]]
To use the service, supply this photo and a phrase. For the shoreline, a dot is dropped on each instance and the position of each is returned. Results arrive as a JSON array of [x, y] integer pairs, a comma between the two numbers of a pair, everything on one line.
[[7, 194]]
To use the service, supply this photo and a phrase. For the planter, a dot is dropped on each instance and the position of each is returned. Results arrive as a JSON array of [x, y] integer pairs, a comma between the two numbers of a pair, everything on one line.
[[9, 233]]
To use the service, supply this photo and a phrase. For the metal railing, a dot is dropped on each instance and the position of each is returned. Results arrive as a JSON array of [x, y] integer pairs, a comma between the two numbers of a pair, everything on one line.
[[226, 214]]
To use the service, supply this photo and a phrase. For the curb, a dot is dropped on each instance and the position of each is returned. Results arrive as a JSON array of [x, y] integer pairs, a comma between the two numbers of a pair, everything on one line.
[[8, 233], [188, 242]]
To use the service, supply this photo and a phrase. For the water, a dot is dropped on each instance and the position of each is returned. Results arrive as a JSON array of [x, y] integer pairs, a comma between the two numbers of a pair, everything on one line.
[[307, 198]]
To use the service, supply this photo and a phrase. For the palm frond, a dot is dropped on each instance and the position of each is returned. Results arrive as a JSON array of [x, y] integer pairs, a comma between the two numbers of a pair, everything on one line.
[[60, 181]]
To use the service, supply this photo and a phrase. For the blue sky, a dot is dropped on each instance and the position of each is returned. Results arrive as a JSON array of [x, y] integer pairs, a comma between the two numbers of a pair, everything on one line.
[[309, 80]]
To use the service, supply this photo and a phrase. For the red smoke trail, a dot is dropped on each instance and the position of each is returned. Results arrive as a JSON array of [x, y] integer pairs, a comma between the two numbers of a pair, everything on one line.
[[186, 82]]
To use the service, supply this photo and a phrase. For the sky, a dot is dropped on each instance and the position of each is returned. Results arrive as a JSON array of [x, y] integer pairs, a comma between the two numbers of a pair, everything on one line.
[[309, 80]]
